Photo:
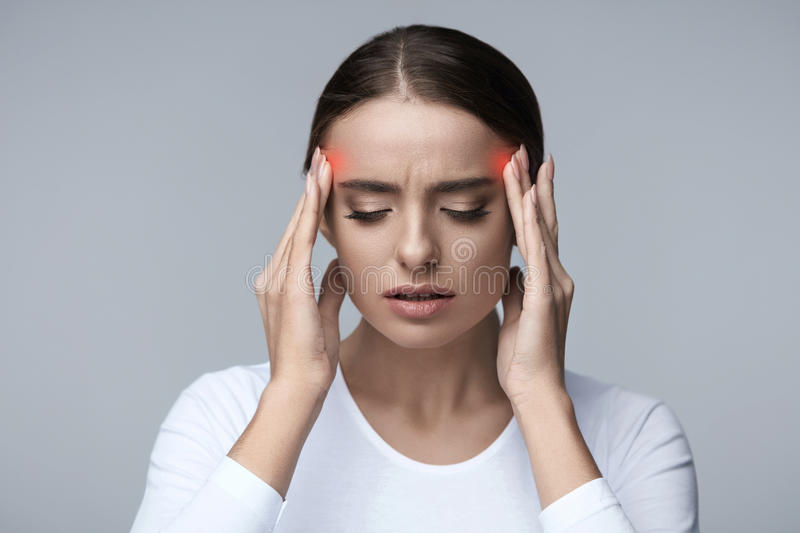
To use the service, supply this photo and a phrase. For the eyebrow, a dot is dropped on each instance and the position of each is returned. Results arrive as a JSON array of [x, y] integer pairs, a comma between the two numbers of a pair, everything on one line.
[[373, 185]]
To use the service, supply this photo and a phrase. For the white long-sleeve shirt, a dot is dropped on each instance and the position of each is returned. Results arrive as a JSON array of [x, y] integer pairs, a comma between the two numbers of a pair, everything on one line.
[[348, 479]]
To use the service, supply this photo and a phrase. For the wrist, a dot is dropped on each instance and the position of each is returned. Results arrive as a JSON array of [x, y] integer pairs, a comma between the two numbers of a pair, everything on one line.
[[542, 397], [298, 394], [271, 443]]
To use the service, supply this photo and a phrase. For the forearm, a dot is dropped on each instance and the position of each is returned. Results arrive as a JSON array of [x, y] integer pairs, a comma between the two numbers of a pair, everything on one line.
[[271, 443], [560, 459]]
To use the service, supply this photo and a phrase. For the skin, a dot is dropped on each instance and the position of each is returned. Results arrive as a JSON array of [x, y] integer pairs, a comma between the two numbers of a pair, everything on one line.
[[419, 381]]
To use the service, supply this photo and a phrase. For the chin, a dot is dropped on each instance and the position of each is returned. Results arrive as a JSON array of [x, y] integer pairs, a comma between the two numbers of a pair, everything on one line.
[[419, 337]]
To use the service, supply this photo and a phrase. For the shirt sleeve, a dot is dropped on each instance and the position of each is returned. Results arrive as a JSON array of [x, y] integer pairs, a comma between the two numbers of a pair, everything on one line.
[[652, 484], [193, 486]]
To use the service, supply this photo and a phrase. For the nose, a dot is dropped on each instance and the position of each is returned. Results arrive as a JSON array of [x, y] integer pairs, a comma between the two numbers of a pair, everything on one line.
[[416, 247]]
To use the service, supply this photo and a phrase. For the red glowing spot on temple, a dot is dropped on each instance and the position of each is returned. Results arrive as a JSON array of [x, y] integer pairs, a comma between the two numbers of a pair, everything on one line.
[[336, 159], [498, 159]]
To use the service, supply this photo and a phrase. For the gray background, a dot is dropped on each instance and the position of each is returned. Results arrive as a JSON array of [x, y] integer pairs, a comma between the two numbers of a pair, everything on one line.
[[150, 155]]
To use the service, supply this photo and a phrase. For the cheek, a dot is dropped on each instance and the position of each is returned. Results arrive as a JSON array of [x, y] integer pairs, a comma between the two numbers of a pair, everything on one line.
[[363, 257], [481, 262], [484, 244], [361, 247]]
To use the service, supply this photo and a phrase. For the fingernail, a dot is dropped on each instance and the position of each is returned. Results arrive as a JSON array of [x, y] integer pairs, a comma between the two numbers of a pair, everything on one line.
[[533, 195]]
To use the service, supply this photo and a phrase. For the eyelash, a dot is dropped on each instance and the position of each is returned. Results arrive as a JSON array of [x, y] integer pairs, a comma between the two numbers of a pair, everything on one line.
[[464, 216]]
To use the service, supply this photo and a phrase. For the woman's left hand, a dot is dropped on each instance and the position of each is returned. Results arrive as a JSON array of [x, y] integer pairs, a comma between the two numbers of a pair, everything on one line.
[[536, 304]]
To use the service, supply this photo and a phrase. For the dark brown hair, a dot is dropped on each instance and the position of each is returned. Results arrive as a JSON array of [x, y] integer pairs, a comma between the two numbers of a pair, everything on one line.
[[435, 64]]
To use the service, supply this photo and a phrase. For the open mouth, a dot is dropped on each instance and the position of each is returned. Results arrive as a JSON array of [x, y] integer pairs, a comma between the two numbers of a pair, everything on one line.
[[419, 297], [420, 305]]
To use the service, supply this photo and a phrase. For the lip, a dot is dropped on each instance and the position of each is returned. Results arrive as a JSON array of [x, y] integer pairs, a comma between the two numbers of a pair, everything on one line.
[[425, 288], [421, 309]]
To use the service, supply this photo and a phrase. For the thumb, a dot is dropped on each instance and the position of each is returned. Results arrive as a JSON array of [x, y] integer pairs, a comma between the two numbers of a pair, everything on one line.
[[512, 295], [331, 295]]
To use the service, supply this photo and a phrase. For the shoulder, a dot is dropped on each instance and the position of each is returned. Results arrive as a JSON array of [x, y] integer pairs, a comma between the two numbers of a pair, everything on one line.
[[607, 400], [621, 413], [235, 387], [237, 381], [218, 405], [205, 420], [638, 433]]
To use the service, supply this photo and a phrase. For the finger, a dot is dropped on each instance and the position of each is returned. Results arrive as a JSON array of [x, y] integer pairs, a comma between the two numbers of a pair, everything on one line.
[[265, 278], [278, 256], [302, 242], [331, 295], [525, 176], [538, 270], [512, 299], [512, 187], [283, 255], [262, 306], [273, 275], [325, 179], [536, 316], [562, 286], [546, 200], [523, 157], [554, 289], [563, 283], [332, 290], [514, 193], [515, 190], [523, 169], [312, 171], [550, 246]]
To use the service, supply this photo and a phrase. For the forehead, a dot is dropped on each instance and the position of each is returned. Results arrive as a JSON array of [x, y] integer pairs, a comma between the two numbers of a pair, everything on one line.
[[409, 142]]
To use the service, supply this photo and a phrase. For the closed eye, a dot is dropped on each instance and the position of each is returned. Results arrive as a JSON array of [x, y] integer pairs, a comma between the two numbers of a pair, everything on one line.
[[367, 215], [465, 216]]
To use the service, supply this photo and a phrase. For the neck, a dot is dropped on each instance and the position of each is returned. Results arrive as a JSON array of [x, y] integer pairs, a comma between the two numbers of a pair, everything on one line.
[[428, 385]]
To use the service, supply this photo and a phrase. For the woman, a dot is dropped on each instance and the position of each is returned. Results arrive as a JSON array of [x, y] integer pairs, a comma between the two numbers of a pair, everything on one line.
[[423, 171]]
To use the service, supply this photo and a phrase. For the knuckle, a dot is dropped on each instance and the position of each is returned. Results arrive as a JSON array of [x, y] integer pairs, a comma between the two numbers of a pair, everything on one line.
[[259, 284], [569, 284]]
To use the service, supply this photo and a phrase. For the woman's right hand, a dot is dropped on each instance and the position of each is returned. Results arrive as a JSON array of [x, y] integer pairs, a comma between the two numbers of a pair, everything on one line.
[[302, 333]]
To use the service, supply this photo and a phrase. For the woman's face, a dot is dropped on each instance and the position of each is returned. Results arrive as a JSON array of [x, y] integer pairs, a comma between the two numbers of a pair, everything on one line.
[[410, 148]]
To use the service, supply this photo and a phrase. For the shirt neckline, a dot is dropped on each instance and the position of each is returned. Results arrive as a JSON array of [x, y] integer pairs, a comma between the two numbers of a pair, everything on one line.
[[342, 390]]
